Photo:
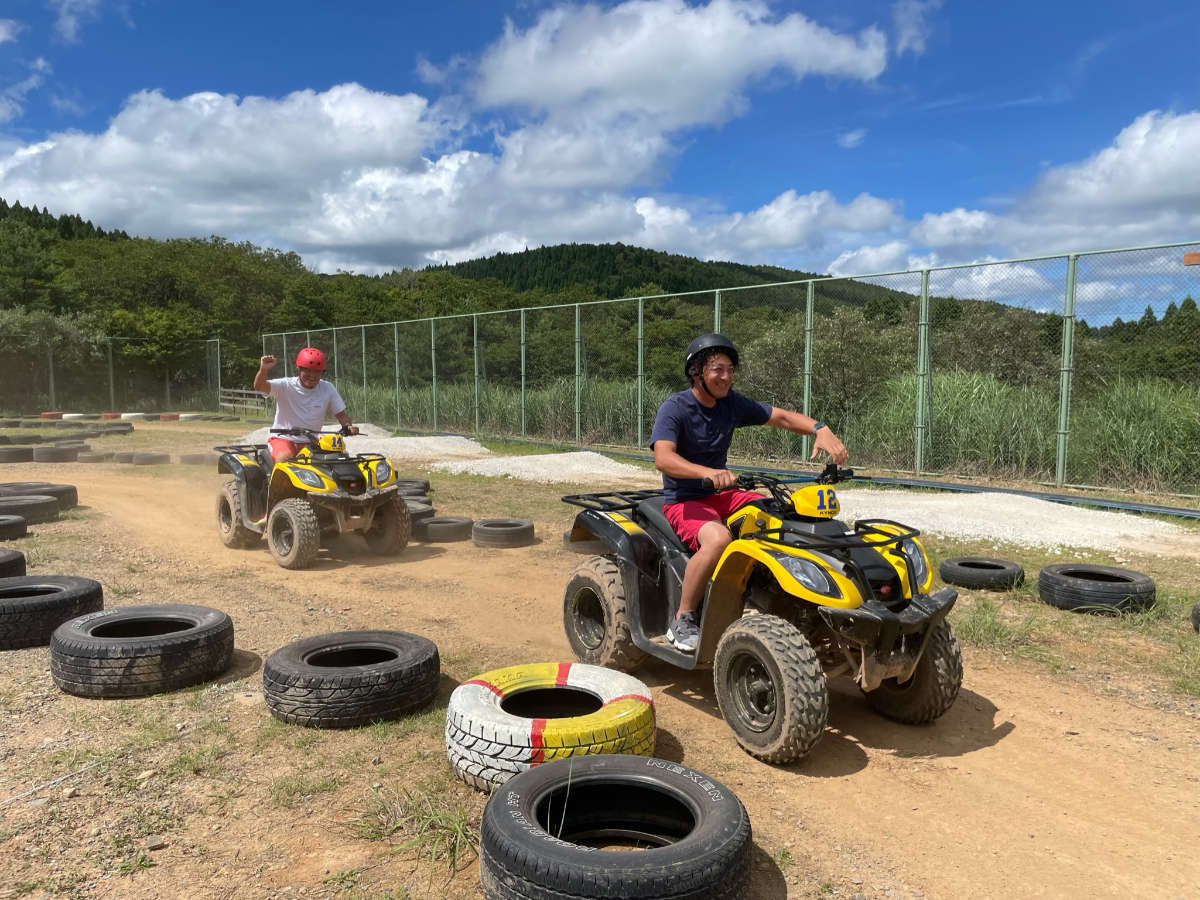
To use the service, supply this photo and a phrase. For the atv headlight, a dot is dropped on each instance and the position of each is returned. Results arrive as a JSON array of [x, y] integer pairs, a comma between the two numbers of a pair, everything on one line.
[[809, 574], [309, 477], [916, 560], [382, 472]]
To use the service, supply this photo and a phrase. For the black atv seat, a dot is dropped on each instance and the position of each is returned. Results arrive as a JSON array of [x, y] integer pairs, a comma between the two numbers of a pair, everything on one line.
[[652, 510]]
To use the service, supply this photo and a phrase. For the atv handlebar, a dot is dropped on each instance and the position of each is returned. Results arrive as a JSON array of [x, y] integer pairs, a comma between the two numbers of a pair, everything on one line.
[[747, 480], [309, 433]]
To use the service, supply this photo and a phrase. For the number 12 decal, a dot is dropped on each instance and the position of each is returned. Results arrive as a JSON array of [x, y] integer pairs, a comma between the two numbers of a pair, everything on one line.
[[827, 499]]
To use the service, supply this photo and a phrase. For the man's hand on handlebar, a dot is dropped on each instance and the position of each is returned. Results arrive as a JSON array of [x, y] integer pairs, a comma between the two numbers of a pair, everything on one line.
[[719, 479], [825, 440], [348, 430]]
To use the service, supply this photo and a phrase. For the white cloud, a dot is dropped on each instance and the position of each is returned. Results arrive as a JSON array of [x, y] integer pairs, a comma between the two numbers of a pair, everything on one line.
[[663, 61], [912, 28], [12, 98], [957, 228], [9, 29], [852, 139], [889, 257], [71, 16]]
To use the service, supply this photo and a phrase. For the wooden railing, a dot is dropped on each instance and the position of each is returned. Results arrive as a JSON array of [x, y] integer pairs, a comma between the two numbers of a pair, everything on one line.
[[244, 401]]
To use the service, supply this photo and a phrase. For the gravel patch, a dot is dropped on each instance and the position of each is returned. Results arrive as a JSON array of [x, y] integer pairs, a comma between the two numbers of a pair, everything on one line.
[[1009, 518], [548, 467]]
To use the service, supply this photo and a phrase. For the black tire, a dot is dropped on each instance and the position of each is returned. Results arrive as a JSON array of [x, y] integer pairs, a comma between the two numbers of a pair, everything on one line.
[[445, 529], [391, 527], [151, 459], [982, 572], [416, 499], [95, 457], [12, 527], [596, 616], [233, 532], [16, 454], [418, 512], [66, 494], [351, 678], [412, 485], [55, 454], [550, 832], [32, 606], [12, 563], [502, 532], [294, 533], [1096, 589], [34, 508], [770, 688], [932, 688], [140, 650]]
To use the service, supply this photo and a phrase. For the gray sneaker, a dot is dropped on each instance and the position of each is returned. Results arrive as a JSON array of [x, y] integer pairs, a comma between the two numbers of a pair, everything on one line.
[[684, 633]]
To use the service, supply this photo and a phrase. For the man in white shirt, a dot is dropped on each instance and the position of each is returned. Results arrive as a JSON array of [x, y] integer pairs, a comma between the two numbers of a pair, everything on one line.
[[304, 401]]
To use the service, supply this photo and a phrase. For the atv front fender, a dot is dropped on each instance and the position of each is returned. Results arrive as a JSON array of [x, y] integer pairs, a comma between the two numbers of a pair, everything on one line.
[[740, 557]]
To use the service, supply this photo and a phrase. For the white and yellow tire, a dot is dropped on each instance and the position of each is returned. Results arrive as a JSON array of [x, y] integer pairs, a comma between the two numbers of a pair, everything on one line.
[[487, 745]]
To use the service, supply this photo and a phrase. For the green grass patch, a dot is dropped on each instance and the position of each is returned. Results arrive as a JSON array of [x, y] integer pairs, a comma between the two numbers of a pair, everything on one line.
[[291, 790]]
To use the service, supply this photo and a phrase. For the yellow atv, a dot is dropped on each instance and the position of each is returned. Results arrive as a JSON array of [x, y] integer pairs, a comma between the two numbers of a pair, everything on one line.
[[321, 491], [797, 597]]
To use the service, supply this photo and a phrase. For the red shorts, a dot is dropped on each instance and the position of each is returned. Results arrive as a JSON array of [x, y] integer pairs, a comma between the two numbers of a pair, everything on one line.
[[688, 517], [282, 448]]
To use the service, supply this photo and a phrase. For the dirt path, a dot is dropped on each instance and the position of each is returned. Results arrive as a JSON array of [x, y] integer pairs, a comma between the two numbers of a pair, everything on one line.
[[1031, 786]]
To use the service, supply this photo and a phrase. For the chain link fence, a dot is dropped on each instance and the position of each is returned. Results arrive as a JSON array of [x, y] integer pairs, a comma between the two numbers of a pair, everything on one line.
[[109, 373], [1076, 369]]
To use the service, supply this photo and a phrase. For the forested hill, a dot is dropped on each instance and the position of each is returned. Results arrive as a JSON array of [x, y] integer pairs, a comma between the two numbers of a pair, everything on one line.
[[614, 270], [68, 226]]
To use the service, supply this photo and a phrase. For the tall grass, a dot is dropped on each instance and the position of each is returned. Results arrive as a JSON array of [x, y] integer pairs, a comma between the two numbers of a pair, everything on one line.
[[1142, 433]]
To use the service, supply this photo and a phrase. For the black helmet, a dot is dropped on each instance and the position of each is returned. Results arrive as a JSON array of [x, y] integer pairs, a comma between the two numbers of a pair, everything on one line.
[[706, 344]]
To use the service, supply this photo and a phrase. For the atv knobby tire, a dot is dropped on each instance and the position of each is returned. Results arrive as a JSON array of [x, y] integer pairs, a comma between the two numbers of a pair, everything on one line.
[[294, 533], [12, 527], [351, 678], [34, 508], [391, 527], [12, 563], [230, 525], [932, 688], [596, 616], [140, 650], [614, 826], [507, 720], [770, 688], [1097, 589], [31, 607], [982, 572]]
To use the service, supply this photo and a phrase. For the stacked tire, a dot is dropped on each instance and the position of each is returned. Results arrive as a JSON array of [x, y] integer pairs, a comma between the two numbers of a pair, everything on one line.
[[510, 720]]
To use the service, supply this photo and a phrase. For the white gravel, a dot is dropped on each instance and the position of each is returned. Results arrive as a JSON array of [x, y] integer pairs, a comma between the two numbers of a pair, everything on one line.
[[1008, 518], [373, 439], [549, 467]]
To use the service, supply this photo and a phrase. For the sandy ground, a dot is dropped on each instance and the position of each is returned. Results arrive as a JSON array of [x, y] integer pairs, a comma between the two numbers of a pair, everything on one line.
[[1029, 787]]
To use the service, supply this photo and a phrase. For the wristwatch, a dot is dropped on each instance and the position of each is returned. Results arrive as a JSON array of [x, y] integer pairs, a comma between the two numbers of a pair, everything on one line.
[[817, 427]]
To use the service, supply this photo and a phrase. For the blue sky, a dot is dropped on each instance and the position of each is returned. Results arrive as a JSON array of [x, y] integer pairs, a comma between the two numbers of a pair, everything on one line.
[[830, 137]]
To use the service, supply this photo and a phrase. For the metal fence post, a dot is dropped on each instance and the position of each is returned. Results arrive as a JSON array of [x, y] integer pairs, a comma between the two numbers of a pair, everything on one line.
[[522, 372], [396, 365], [218, 373], [923, 374], [808, 366], [475, 357], [335, 354], [50, 369], [717, 311], [112, 387], [283, 358], [641, 374], [433, 369], [578, 375], [363, 329], [1065, 371]]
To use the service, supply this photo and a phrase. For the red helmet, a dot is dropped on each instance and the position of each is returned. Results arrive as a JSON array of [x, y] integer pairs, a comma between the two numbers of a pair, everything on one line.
[[311, 358]]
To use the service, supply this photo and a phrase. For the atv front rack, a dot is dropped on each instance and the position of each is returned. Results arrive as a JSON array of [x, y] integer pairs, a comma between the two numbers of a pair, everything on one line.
[[839, 541]]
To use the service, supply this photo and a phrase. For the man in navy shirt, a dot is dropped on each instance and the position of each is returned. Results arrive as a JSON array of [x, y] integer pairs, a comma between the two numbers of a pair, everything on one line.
[[691, 437]]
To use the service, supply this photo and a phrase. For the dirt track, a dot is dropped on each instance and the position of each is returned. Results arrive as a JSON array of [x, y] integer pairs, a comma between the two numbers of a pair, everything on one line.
[[1031, 786]]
